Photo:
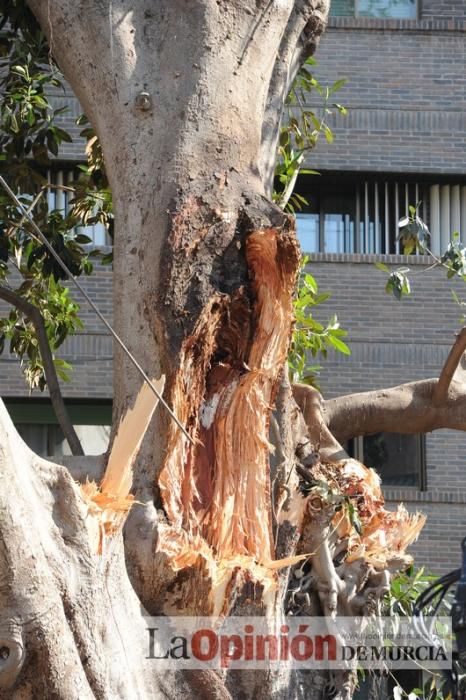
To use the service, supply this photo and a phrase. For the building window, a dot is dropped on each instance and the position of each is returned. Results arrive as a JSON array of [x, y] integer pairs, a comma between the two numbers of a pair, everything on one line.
[[385, 9], [359, 213], [59, 196], [398, 459], [37, 425]]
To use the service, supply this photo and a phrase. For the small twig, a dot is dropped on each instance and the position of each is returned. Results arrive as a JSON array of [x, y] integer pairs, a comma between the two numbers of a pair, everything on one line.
[[66, 188], [288, 191], [34, 315], [440, 393]]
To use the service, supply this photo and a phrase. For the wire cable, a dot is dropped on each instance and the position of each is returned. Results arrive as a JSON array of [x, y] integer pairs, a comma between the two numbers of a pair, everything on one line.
[[42, 239]]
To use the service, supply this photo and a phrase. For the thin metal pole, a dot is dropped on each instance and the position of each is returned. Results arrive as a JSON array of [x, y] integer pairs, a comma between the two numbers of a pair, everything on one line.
[[131, 357]]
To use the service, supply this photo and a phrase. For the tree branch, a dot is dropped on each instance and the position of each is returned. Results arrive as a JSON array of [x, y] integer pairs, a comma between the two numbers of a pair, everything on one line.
[[34, 315], [407, 409], [417, 407], [312, 406], [440, 395]]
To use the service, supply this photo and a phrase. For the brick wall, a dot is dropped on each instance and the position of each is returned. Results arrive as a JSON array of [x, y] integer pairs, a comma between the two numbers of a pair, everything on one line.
[[406, 92], [443, 9]]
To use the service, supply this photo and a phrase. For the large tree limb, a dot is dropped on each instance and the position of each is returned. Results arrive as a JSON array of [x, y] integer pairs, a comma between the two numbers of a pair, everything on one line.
[[416, 407], [34, 315], [408, 409]]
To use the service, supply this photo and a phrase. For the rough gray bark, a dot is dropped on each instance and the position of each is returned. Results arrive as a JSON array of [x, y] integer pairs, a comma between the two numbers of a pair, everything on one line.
[[70, 620]]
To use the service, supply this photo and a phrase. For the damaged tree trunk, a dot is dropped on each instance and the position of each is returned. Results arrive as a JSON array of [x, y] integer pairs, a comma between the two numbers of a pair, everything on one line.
[[186, 99]]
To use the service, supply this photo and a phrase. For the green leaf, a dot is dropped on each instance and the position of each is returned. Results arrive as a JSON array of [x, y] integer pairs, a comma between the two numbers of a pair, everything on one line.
[[354, 518], [52, 144], [82, 239], [328, 133], [341, 109], [339, 345], [383, 267], [338, 84], [284, 137]]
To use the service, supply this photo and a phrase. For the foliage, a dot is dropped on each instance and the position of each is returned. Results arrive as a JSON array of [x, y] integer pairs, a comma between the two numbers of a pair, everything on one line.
[[92, 203], [310, 336], [59, 312], [302, 127], [414, 236], [405, 588], [29, 141], [433, 690], [397, 283], [26, 117]]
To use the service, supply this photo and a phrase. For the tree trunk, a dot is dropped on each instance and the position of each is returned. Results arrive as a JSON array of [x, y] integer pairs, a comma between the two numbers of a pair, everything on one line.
[[186, 99]]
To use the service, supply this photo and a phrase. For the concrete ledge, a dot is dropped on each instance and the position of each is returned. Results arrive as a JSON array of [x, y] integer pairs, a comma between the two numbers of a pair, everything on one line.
[[82, 468], [390, 259], [414, 495], [411, 25]]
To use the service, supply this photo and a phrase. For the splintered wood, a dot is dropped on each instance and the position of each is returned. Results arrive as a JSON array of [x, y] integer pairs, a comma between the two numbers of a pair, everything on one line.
[[109, 502], [382, 536], [218, 493], [215, 488]]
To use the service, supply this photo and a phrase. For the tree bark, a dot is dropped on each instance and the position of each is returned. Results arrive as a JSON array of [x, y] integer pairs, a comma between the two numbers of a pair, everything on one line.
[[186, 98], [71, 624]]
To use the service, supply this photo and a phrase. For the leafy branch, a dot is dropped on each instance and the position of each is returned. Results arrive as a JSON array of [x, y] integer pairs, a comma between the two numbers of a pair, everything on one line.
[[414, 236], [309, 335], [300, 133]]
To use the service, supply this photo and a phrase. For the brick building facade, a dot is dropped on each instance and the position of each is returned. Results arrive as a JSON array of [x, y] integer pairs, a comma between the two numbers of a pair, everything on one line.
[[403, 139], [406, 95]]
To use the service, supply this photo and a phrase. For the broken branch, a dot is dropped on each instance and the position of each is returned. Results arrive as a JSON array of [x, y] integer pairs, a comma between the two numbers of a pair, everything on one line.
[[311, 404]]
